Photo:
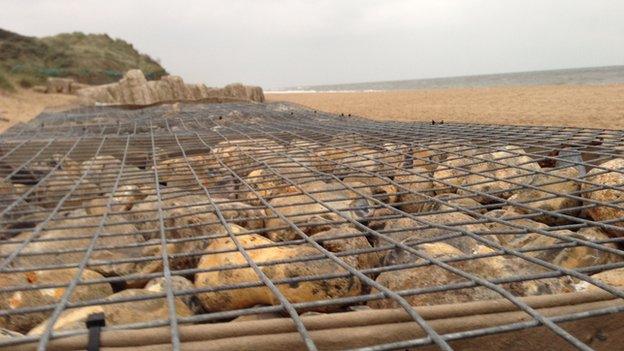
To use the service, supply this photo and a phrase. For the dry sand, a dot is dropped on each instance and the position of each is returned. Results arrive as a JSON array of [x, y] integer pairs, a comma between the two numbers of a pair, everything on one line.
[[558, 105], [24, 105], [561, 105]]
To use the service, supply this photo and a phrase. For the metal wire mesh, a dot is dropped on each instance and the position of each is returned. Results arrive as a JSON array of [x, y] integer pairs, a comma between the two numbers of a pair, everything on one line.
[[203, 213]]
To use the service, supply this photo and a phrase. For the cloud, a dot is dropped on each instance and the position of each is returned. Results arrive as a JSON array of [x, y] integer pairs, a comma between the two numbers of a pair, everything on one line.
[[284, 43]]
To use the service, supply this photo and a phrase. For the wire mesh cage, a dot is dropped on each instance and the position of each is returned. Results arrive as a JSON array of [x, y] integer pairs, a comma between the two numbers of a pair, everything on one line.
[[264, 226]]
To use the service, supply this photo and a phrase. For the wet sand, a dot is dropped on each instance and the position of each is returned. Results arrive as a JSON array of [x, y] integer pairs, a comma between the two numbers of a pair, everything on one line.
[[598, 106]]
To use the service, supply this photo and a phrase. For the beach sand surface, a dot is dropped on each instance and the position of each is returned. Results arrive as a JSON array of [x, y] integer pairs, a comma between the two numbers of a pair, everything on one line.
[[23, 105], [591, 106]]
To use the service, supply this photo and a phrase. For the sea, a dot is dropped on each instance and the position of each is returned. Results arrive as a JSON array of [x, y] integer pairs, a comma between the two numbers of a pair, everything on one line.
[[573, 76]]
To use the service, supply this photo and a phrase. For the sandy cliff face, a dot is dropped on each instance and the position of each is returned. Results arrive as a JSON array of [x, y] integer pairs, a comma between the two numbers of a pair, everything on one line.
[[134, 89]]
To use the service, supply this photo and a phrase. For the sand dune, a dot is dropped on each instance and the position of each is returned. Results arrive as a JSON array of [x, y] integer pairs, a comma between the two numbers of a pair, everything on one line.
[[557, 105]]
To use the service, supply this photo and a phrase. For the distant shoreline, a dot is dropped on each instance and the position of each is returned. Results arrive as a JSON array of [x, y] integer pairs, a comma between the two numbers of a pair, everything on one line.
[[591, 106], [573, 76]]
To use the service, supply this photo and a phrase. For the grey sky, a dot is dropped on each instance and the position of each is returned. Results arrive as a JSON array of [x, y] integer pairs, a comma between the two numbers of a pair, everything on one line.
[[286, 43]]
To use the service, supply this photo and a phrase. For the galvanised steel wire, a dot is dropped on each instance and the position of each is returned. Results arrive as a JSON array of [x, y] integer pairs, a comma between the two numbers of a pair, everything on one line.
[[274, 138]]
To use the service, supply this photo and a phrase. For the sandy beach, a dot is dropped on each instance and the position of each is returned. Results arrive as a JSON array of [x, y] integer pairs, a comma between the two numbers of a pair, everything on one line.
[[592, 106], [24, 105]]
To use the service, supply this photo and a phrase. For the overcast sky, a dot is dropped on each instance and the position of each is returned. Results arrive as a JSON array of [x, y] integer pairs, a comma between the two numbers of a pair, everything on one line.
[[287, 43]]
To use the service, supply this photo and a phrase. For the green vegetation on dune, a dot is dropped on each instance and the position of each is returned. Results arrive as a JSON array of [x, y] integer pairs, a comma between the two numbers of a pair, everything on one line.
[[89, 58], [5, 83]]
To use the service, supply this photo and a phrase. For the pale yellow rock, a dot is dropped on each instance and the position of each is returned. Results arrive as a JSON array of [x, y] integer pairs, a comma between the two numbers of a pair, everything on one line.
[[120, 313], [134, 89], [178, 283], [24, 298], [452, 202], [191, 217], [101, 168], [612, 277], [584, 256], [497, 172], [416, 185], [178, 171], [307, 212], [448, 177], [7, 334], [62, 163], [348, 239], [124, 198], [543, 200], [247, 297], [256, 316], [601, 177], [76, 229], [402, 228], [56, 85], [49, 193], [485, 268], [381, 187], [267, 184], [245, 155], [431, 276]]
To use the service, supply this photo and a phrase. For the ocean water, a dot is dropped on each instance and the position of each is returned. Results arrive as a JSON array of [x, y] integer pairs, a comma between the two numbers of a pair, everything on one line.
[[574, 76]]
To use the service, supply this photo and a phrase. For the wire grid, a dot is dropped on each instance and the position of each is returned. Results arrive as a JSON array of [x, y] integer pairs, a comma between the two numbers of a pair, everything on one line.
[[85, 166]]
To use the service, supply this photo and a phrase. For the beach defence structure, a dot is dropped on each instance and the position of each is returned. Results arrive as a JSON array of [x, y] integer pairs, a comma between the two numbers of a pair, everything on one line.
[[240, 226], [134, 89]]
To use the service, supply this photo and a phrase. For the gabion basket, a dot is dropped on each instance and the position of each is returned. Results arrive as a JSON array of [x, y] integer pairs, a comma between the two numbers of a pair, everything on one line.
[[270, 226]]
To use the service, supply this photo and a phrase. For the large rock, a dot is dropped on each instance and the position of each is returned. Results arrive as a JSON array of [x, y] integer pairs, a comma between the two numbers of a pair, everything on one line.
[[134, 89], [254, 93], [117, 241], [313, 217], [303, 291], [191, 223], [451, 174], [49, 193], [178, 283], [122, 200], [344, 160], [402, 228], [431, 276], [24, 298], [527, 237], [347, 239], [245, 155], [600, 177], [453, 202], [8, 334], [57, 85], [514, 231], [176, 172], [267, 184], [379, 186], [542, 200], [415, 187], [485, 268], [148, 310], [612, 277], [584, 256], [495, 174]]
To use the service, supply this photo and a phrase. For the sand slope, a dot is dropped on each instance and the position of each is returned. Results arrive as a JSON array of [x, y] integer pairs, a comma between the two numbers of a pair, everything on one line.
[[576, 106], [23, 105]]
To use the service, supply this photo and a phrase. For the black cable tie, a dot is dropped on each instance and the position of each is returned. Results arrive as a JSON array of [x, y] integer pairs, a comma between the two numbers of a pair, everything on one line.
[[94, 323]]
